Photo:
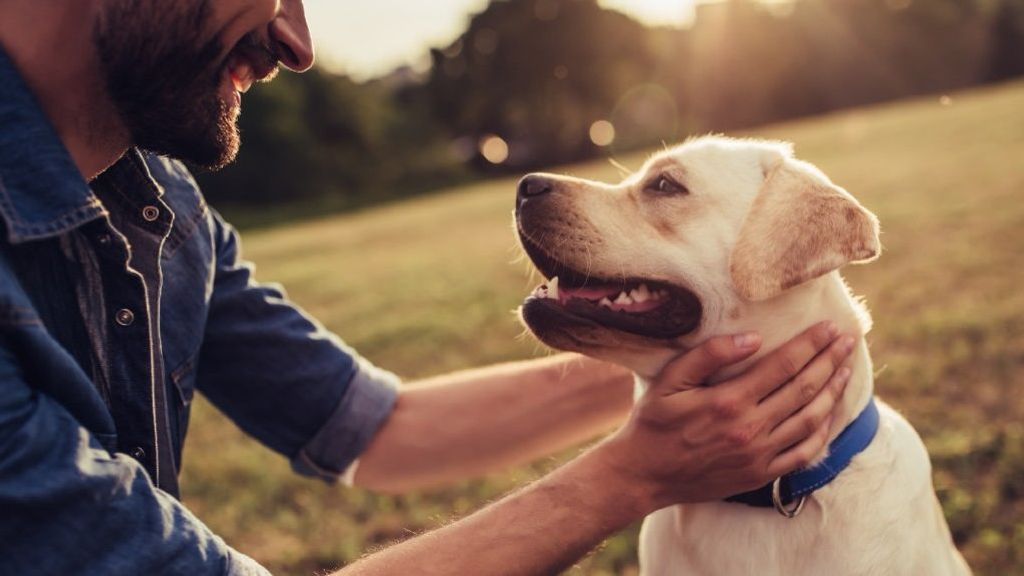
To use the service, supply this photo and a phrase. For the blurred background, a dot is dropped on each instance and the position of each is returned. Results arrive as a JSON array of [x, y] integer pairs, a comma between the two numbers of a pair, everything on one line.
[[378, 189]]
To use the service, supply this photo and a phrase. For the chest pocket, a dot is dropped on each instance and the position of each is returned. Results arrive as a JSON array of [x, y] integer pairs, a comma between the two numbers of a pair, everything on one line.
[[188, 271]]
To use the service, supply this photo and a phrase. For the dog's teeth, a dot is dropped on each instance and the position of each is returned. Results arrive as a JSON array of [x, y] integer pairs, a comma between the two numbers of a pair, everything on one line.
[[623, 299], [553, 288], [641, 294], [606, 302]]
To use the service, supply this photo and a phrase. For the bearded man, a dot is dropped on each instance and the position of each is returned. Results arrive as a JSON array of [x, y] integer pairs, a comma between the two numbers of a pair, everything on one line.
[[122, 293]]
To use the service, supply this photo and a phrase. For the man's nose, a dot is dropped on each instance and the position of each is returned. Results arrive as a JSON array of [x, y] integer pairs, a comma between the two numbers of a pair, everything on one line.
[[291, 34], [535, 185]]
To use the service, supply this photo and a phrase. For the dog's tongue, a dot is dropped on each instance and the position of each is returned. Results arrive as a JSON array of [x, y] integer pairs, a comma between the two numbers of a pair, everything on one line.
[[595, 293]]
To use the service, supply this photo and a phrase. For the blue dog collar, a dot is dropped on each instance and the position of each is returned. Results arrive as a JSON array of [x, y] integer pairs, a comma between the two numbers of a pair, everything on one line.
[[787, 494]]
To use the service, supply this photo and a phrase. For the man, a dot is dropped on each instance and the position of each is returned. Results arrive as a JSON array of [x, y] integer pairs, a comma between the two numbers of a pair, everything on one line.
[[121, 293]]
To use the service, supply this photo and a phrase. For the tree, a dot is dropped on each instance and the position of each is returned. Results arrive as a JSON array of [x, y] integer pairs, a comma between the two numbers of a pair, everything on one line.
[[1007, 41], [538, 73]]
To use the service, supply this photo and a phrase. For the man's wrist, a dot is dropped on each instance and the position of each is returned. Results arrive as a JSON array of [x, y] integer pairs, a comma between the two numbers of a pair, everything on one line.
[[626, 489]]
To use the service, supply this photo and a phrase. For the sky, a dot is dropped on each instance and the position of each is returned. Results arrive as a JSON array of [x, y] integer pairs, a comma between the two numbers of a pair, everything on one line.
[[366, 38]]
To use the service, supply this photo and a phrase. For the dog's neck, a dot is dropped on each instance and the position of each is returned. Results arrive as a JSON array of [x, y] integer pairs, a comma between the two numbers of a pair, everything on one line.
[[826, 298], [782, 318]]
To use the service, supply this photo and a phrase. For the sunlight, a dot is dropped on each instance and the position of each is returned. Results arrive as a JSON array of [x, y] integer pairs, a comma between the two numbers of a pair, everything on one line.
[[656, 12], [348, 34]]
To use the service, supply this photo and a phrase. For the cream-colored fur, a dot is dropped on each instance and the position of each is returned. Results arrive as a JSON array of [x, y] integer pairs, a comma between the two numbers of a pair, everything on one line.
[[758, 237]]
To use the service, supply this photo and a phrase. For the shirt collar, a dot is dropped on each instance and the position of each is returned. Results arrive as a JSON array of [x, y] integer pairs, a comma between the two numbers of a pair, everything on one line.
[[42, 193]]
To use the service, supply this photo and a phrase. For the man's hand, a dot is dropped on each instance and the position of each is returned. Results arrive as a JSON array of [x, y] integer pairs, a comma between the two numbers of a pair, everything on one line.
[[688, 443]]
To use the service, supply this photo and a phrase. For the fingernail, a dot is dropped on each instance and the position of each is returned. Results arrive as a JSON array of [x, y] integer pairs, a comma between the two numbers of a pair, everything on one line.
[[847, 344], [832, 329], [843, 374], [748, 340]]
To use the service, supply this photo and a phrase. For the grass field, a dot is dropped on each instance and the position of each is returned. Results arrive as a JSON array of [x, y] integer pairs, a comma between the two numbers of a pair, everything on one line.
[[429, 285]]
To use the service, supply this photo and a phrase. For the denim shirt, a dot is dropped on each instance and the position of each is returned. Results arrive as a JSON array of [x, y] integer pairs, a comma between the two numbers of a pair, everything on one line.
[[119, 299]]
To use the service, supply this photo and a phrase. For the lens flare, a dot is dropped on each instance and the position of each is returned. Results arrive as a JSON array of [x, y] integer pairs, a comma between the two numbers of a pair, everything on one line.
[[494, 149], [602, 133]]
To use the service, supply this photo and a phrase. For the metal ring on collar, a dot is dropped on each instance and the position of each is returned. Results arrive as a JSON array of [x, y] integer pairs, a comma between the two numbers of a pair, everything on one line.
[[794, 509]]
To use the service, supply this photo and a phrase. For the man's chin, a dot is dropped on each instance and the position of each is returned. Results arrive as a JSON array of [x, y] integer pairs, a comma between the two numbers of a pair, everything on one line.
[[212, 150], [219, 159], [222, 151]]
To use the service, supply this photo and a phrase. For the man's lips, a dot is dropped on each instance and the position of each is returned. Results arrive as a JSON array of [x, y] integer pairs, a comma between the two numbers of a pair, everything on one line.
[[241, 73], [250, 62]]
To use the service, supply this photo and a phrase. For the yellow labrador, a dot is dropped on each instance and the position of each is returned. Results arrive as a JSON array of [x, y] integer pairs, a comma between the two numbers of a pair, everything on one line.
[[721, 236]]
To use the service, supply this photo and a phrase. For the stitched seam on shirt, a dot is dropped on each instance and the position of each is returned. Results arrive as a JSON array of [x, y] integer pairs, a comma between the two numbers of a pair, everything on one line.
[[188, 227], [179, 374], [21, 230]]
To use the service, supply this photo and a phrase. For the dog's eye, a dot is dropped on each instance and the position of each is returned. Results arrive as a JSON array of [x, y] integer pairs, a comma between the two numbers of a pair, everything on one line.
[[666, 186]]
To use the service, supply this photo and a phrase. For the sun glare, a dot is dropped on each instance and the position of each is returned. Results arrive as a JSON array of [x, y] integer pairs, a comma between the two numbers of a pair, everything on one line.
[[656, 12]]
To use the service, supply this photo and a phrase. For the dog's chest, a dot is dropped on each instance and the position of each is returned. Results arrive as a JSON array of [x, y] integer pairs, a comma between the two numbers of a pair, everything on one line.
[[878, 517]]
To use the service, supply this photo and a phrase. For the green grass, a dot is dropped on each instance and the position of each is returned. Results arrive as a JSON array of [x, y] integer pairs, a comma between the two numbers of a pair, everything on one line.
[[429, 285]]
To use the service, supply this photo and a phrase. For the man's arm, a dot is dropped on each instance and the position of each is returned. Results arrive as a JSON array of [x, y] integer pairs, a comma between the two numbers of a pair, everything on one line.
[[686, 445], [473, 422], [543, 529], [280, 375], [69, 507]]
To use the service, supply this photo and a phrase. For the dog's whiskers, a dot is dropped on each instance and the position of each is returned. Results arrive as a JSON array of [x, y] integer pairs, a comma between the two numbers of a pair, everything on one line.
[[590, 260], [624, 171]]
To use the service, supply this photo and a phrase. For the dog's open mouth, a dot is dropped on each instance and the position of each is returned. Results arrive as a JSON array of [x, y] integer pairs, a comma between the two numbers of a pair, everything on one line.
[[645, 307]]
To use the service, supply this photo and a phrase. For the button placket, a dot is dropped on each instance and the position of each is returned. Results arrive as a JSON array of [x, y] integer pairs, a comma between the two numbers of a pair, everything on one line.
[[138, 218]]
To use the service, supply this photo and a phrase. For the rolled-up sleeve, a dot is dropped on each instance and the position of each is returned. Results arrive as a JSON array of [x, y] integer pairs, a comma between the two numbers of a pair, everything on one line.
[[69, 507], [282, 377]]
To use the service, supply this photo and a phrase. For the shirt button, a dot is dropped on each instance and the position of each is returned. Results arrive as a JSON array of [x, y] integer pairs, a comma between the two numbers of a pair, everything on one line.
[[124, 317], [150, 213], [138, 453], [104, 239]]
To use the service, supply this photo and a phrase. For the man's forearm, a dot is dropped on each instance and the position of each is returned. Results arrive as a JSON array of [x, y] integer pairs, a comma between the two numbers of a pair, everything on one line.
[[542, 529], [474, 422]]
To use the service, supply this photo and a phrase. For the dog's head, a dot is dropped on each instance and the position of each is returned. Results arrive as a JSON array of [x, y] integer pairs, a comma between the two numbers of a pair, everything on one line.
[[638, 271]]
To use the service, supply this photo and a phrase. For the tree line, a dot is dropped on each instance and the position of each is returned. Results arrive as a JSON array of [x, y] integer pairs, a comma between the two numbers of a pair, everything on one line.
[[539, 82]]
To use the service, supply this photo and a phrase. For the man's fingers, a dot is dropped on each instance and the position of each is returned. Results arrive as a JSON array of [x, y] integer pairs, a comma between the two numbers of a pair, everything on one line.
[[806, 386], [780, 366], [811, 418], [694, 367], [801, 455]]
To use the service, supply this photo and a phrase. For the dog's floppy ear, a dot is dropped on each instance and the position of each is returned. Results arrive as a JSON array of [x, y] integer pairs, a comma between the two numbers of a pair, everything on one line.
[[800, 227]]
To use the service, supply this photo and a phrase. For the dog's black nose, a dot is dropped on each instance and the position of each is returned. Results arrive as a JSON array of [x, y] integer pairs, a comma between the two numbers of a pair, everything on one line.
[[534, 185]]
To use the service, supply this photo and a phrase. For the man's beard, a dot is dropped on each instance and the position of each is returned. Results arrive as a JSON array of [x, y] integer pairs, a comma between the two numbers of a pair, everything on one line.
[[164, 80]]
